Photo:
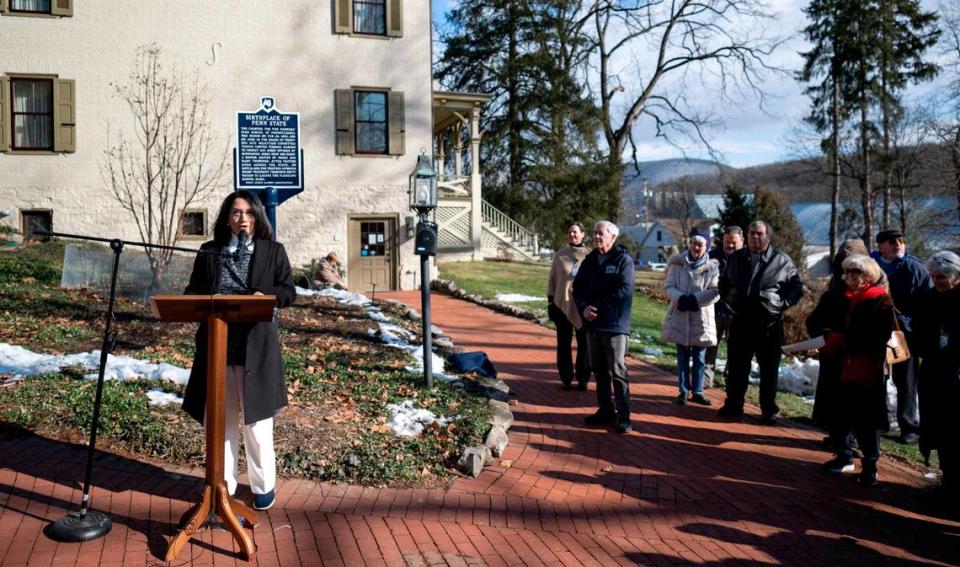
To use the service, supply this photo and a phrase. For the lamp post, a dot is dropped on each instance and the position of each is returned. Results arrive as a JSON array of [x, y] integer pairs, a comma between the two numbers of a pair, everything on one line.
[[423, 199]]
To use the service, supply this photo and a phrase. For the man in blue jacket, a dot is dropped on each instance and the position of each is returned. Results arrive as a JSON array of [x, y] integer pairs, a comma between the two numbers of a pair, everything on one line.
[[603, 292], [908, 279]]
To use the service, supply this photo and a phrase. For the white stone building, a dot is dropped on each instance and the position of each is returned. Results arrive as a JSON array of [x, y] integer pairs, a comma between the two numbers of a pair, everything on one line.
[[323, 59]]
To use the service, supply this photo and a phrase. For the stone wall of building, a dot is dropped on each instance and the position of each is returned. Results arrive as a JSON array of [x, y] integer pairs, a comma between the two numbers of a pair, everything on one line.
[[241, 50]]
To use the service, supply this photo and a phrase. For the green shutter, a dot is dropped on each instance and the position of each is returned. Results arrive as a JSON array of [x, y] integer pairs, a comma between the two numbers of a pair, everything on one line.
[[343, 16], [61, 7], [3, 5], [344, 112], [395, 18], [396, 129], [4, 113], [65, 115]]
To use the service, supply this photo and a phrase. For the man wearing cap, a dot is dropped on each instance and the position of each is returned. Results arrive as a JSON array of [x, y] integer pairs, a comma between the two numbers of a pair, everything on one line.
[[759, 284], [908, 280], [732, 241]]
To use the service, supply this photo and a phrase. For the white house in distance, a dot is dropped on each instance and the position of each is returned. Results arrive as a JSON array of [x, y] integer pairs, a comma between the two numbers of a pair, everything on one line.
[[342, 65]]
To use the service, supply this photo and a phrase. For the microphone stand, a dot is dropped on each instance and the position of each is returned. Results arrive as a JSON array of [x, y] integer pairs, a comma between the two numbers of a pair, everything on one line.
[[90, 524]]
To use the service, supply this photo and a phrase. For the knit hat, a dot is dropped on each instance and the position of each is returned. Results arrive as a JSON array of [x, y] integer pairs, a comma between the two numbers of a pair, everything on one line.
[[702, 234]]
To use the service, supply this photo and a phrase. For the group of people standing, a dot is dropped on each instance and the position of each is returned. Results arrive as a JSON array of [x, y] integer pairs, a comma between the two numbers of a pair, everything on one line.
[[741, 290], [868, 297]]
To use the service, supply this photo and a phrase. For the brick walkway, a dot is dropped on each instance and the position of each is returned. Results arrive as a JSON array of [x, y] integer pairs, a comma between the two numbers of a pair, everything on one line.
[[685, 488]]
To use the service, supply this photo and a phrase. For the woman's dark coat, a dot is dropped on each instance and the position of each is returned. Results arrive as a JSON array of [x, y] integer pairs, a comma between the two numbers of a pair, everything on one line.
[[865, 330], [830, 315], [938, 313], [265, 391]]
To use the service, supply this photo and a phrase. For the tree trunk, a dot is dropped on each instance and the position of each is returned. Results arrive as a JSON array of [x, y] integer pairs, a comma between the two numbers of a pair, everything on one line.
[[865, 194], [835, 157], [955, 153], [515, 135]]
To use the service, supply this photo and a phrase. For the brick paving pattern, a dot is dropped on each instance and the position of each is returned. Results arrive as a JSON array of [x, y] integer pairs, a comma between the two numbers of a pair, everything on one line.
[[684, 488]]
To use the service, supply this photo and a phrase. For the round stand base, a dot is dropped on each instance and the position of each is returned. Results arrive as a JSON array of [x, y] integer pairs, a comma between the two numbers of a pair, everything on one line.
[[74, 528]]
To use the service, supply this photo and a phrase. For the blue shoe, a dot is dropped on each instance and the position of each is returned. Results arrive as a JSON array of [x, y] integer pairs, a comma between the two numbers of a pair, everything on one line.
[[264, 501]]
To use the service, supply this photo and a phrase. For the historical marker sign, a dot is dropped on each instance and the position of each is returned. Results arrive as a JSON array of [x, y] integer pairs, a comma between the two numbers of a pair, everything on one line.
[[268, 149]]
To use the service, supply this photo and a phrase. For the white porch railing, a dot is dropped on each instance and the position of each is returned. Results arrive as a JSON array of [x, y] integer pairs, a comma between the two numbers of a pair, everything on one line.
[[517, 233], [454, 186]]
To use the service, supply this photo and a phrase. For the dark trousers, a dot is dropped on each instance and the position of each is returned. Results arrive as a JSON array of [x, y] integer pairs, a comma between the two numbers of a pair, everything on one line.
[[949, 457], [723, 331], [607, 352], [565, 334], [908, 411], [868, 441], [748, 338]]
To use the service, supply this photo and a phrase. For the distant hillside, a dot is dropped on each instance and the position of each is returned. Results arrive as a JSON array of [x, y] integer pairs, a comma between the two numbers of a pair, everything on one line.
[[664, 170], [797, 180]]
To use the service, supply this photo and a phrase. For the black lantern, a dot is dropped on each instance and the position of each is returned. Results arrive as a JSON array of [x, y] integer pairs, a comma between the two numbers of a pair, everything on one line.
[[423, 185]]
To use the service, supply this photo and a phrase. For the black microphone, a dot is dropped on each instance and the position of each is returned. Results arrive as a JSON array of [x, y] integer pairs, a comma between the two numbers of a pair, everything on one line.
[[241, 246]]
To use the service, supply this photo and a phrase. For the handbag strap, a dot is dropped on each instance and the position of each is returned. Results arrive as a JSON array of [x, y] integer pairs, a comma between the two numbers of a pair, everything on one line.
[[896, 321]]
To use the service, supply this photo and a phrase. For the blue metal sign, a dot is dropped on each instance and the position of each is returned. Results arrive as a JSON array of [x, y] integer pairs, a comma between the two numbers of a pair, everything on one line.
[[268, 150]]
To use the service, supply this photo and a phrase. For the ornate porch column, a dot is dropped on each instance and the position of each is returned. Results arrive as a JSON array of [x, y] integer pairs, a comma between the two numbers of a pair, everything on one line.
[[476, 197]]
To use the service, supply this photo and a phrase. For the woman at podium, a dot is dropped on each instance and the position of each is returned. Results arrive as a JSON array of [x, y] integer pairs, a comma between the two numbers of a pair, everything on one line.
[[249, 262]]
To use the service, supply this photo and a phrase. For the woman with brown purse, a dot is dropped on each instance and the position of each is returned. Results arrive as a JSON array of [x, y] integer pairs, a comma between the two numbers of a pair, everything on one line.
[[859, 343]]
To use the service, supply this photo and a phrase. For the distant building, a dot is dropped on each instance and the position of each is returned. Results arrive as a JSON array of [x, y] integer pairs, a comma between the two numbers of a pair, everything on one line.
[[652, 239]]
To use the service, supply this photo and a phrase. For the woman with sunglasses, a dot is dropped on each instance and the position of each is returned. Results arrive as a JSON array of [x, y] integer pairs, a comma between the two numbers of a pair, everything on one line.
[[856, 321]]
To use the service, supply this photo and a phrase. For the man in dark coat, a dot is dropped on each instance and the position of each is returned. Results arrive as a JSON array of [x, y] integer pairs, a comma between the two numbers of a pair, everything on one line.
[[908, 280], [603, 292], [760, 282], [255, 386], [732, 242]]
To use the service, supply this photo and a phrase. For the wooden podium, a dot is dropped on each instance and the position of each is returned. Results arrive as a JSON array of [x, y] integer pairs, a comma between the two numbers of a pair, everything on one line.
[[217, 311]]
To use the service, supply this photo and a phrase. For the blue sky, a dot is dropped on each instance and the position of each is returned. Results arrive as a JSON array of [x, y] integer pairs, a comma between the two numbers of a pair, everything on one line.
[[748, 136]]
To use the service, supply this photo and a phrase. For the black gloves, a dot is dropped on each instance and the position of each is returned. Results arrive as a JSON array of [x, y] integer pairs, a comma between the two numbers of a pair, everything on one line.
[[687, 303]]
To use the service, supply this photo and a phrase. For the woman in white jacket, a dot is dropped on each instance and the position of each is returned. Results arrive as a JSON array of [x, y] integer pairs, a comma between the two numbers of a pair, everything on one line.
[[691, 284]]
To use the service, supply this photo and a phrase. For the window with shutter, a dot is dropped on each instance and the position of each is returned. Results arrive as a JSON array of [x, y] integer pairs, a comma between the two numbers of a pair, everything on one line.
[[370, 122], [31, 7], [37, 114], [368, 17]]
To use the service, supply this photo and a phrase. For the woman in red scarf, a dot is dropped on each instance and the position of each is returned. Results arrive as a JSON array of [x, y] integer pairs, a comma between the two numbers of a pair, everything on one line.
[[860, 341]]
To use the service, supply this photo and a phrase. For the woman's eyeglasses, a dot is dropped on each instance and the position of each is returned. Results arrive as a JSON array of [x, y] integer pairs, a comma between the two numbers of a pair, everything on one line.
[[853, 272], [238, 214]]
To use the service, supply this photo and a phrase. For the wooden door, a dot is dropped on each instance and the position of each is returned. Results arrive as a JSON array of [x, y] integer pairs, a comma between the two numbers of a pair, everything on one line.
[[372, 254]]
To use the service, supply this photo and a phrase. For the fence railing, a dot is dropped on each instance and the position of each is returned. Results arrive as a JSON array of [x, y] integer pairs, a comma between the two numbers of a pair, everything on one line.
[[520, 236]]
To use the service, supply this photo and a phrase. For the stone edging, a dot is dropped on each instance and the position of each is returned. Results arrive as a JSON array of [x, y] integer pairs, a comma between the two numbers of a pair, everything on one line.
[[474, 458], [450, 287]]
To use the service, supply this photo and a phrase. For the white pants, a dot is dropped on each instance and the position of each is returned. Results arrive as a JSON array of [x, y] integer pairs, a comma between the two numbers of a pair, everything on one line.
[[257, 440]]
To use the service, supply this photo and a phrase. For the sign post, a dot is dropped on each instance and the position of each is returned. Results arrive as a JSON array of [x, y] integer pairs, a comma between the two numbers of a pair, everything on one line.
[[268, 159]]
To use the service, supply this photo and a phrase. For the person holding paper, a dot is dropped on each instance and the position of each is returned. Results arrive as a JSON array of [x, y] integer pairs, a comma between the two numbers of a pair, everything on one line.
[[691, 285], [251, 263], [826, 318], [856, 338]]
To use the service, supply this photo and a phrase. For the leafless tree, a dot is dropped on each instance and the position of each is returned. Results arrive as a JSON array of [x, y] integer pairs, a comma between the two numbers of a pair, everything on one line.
[[170, 159], [717, 42], [948, 127]]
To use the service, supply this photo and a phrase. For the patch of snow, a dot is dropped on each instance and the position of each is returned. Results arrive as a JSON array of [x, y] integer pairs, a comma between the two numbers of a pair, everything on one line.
[[409, 421], [160, 398], [19, 361], [799, 377], [653, 351], [515, 297], [341, 295]]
